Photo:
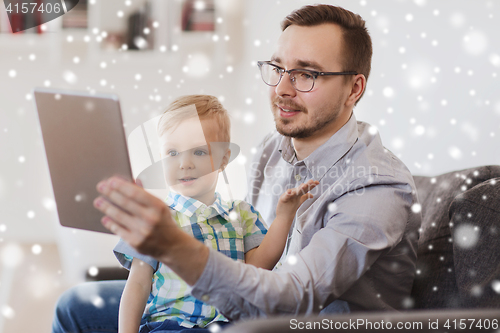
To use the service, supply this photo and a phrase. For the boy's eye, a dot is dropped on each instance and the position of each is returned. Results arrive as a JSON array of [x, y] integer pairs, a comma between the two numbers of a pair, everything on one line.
[[200, 152], [172, 153]]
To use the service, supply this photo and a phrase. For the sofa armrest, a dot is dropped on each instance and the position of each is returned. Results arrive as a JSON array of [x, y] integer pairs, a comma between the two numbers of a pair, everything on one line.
[[107, 273], [475, 220]]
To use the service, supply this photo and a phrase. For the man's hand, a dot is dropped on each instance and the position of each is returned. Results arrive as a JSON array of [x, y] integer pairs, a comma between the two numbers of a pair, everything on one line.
[[291, 200], [135, 215], [145, 222]]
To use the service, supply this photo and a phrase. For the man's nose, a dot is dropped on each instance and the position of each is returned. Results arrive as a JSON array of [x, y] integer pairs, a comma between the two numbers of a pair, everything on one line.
[[285, 86]]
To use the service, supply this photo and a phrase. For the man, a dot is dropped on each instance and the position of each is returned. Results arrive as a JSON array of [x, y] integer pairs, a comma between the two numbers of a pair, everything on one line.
[[353, 246]]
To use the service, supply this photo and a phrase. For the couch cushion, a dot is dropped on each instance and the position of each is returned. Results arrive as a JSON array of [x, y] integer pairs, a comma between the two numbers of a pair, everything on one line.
[[435, 285], [475, 218]]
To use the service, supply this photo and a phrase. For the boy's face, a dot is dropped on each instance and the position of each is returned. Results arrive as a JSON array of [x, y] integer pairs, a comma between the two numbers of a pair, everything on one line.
[[190, 164]]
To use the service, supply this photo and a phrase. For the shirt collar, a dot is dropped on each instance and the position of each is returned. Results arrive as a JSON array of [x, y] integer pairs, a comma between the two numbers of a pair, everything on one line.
[[326, 155], [189, 206]]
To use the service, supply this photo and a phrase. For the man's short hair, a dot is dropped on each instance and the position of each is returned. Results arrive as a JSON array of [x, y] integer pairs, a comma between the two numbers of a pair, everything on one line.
[[357, 44], [207, 107]]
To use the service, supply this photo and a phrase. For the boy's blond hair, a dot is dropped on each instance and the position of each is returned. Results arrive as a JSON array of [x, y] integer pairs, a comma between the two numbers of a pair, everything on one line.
[[207, 107]]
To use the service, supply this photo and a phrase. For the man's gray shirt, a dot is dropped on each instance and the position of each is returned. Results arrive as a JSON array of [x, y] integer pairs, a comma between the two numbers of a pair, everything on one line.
[[352, 247]]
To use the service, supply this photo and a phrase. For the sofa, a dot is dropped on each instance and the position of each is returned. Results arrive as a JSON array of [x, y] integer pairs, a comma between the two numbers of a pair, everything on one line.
[[458, 265]]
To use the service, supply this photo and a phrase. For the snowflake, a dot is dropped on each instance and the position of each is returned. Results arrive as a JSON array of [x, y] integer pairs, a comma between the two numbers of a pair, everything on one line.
[[455, 152], [466, 236], [233, 216], [419, 130], [476, 291], [291, 259], [36, 249], [12, 255], [408, 303], [214, 328], [388, 92], [98, 302], [475, 42], [93, 271], [495, 284], [416, 208], [249, 118], [8, 312], [70, 77]]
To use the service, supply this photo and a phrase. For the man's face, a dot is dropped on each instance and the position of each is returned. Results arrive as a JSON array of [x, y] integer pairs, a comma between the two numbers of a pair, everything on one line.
[[190, 165], [308, 114]]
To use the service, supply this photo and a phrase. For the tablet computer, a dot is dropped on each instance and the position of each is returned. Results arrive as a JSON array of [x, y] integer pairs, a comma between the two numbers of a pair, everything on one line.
[[85, 143]]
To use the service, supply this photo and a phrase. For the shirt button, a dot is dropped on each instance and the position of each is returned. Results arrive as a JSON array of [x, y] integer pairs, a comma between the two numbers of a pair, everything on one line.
[[297, 177], [210, 237], [205, 298]]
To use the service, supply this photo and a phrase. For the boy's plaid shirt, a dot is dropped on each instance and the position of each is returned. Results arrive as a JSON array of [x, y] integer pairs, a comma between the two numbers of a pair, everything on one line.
[[231, 228]]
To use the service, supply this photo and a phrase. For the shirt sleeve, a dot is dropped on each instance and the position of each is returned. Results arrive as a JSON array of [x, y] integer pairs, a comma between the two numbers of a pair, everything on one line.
[[254, 227], [125, 253], [334, 259]]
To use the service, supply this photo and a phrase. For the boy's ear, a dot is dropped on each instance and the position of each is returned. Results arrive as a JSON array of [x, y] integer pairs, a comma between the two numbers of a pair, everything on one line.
[[225, 160]]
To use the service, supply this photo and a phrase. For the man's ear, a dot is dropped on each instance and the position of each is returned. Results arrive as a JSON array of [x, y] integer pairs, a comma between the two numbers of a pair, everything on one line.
[[225, 160], [357, 88]]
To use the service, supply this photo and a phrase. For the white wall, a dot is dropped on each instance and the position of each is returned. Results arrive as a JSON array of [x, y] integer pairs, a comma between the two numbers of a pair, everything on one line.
[[436, 119]]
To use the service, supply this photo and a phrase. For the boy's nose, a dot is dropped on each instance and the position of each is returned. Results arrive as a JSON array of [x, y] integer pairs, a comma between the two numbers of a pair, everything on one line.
[[186, 162]]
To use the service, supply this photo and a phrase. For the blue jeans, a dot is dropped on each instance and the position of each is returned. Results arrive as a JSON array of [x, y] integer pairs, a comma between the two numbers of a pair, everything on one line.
[[92, 307], [170, 326]]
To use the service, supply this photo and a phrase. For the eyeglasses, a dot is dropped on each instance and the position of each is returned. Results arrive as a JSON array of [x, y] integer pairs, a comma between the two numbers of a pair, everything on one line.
[[302, 79]]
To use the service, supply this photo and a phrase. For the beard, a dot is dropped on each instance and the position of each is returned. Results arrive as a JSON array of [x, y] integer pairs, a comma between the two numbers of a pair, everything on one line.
[[323, 118]]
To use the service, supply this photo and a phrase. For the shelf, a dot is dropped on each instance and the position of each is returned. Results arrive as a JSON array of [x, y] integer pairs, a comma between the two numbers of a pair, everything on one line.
[[172, 47]]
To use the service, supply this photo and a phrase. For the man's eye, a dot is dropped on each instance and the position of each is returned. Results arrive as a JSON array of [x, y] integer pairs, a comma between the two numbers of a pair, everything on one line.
[[172, 153], [305, 76], [200, 152], [275, 69]]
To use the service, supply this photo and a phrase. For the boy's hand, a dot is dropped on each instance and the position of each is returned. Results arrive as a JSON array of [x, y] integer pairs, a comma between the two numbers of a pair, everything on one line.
[[291, 200]]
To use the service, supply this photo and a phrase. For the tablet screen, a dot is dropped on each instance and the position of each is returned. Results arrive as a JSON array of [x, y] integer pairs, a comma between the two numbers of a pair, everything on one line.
[[84, 143]]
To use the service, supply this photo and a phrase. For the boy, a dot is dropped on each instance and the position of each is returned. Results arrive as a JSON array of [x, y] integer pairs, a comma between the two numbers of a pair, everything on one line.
[[194, 137]]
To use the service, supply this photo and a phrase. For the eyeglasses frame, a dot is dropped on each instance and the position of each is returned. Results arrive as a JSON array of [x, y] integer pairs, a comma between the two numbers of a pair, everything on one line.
[[314, 74]]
